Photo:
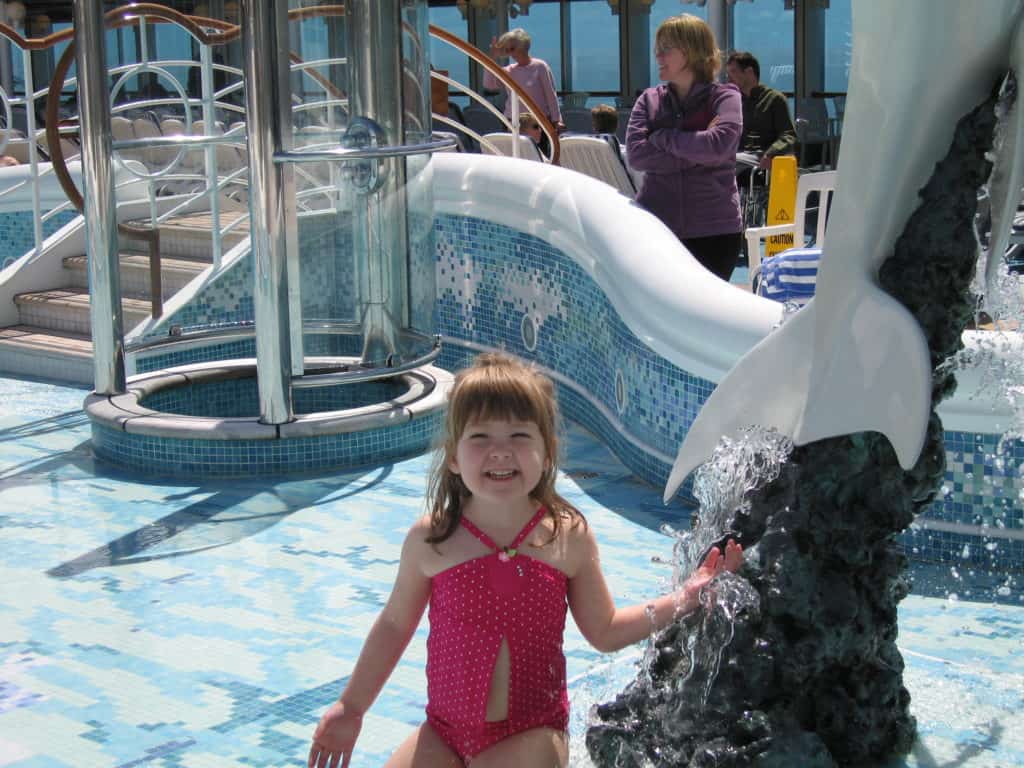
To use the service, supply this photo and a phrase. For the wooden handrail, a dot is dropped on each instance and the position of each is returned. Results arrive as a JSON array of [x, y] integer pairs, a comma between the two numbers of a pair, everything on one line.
[[499, 72]]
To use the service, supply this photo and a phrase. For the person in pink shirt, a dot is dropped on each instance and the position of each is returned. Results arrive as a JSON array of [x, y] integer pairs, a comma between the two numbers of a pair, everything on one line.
[[534, 75]]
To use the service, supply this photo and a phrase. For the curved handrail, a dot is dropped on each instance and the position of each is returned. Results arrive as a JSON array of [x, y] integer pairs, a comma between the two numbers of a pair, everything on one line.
[[499, 72]]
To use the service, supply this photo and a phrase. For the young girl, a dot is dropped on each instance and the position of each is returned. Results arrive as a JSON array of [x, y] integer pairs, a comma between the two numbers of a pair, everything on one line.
[[498, 559]]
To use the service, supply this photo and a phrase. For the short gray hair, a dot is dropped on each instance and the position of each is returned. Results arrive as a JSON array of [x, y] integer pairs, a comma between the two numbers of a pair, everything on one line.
[[515, 38]]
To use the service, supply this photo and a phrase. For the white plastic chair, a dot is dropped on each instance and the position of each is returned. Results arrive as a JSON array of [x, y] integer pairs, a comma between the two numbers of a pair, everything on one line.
[[155, 157], [823, 183], [598, 158], [121, 129], [502, 145]]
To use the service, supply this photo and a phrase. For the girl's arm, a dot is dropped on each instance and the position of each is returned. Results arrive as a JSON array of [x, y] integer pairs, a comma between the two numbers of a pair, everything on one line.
[[641, 153], [339, 727], [717, 144], [608, 628]]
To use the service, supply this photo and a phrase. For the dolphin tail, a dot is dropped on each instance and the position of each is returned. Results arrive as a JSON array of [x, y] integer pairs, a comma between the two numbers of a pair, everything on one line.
[[1008, 171], [874, 373]]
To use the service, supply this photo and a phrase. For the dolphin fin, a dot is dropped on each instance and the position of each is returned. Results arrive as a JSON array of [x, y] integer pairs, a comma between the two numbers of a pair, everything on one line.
[[767, 386], [873, 373], [1008, 171]]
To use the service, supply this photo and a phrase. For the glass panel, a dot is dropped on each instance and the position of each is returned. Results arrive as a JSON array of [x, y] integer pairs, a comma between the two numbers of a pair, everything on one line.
[[660, 12], [544, 25], [765, 28], [838, 45], [444, 56], [594, 45]]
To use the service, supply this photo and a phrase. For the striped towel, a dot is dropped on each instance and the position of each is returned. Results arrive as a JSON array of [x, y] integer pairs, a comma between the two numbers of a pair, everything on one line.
[[790, 275]]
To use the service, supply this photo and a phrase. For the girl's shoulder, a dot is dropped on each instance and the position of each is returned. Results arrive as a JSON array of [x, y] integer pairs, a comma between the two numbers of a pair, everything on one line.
[[416, 536]]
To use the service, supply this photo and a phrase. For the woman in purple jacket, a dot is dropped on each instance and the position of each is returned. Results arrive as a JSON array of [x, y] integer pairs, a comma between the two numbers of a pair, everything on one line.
[[683, 134]]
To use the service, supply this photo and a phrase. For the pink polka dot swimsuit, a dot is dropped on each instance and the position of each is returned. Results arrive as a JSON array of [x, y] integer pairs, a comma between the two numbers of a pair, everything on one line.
[[473, 606]]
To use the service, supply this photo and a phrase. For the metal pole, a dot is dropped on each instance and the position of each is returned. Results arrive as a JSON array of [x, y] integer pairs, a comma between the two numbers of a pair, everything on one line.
[[268, 112], [718, 20], [375, 92], [100, 211]]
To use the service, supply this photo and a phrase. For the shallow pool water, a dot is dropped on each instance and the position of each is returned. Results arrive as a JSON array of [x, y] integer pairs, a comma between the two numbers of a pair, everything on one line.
[[152, 622]]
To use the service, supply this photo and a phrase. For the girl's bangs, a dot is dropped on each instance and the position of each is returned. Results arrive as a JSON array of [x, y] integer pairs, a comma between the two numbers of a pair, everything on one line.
[[503, 398]]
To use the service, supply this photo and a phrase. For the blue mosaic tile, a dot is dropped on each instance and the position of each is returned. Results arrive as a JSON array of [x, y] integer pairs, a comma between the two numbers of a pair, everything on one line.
[[17, 233], [493, 281]]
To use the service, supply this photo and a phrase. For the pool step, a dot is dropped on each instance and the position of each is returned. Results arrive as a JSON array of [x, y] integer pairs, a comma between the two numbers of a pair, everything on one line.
[[46, 353], [175, 274], [188, 236], [52, 338], [67, 309]]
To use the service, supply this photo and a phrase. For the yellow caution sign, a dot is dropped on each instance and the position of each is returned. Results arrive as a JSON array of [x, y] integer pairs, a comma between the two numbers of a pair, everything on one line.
[[781, 201]]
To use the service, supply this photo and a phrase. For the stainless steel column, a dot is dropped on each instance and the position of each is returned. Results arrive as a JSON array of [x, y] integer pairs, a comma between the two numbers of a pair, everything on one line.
[[271, 187], [100, 211], [718, 20], [374, 40]]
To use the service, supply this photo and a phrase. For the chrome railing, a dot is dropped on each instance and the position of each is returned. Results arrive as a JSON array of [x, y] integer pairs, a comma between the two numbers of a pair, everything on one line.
[[202, 164]]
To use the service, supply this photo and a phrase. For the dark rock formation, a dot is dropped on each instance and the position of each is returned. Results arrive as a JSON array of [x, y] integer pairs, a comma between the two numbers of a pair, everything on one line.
[[811, 675]]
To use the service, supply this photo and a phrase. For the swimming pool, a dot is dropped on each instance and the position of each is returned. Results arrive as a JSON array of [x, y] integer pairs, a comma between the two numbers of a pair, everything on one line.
[[164, 623]]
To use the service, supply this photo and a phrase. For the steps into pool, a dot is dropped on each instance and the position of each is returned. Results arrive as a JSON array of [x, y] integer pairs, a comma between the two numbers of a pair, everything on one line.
[[52, 338]]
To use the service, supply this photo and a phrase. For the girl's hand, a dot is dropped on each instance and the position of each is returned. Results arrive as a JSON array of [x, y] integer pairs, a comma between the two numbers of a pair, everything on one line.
[[495, 50], [713, 122], [334, 738], [716, 562]]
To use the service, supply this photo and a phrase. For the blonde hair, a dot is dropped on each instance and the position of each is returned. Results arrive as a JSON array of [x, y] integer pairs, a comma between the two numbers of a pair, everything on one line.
[[496, 386], [694, 37], [516, 38]]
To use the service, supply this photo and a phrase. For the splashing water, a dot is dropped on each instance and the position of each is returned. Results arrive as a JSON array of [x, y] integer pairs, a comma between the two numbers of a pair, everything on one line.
[[738, 466], [998, 354]]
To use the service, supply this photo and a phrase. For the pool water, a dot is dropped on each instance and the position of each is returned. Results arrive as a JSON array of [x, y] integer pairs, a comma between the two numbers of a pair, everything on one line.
[[153, 622]]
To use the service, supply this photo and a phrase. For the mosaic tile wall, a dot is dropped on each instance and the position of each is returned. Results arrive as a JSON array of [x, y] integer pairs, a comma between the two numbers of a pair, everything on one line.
[[505, 289], [17, 235], [326, 284], [490, 277], [237, 458], [239, 398]]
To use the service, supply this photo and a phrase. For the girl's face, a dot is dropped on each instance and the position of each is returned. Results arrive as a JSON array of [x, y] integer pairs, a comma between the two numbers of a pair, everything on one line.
[[500, 460], [671, 61]]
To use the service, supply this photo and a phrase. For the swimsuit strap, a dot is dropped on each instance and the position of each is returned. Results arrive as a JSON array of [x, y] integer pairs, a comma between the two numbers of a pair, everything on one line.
[[487, 541]]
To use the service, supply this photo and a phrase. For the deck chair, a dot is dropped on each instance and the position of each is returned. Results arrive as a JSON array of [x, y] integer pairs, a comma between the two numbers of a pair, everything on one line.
[[577, 119], [599, 158], [121, 129], [70, 149], [481, 120], [502, 145], [823, 183], [814, 131], [155, 158]]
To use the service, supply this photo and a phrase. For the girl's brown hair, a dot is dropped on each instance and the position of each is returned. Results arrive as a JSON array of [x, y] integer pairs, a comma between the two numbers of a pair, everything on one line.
[[692, 35], [496, 386]]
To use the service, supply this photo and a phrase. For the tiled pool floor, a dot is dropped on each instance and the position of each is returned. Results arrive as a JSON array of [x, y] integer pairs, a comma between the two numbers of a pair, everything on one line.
[[164, 624]]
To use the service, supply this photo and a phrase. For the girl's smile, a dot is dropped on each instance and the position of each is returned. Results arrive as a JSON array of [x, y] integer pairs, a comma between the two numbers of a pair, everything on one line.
[[500, 458]]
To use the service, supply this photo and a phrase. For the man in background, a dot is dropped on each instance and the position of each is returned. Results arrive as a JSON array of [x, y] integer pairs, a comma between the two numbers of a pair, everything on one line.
[[767, 126]]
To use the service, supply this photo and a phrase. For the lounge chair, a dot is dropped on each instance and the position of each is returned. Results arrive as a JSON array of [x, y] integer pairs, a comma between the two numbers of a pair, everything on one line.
[[501, 144], [599, 158]]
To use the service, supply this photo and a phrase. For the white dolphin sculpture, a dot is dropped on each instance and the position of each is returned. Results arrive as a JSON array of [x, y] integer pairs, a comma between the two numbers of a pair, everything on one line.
[[854, 359]]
